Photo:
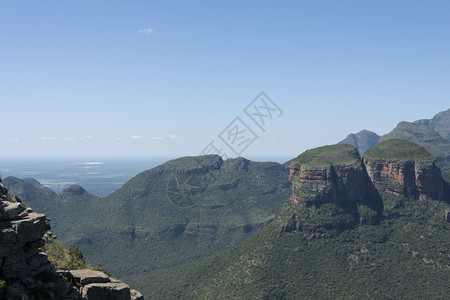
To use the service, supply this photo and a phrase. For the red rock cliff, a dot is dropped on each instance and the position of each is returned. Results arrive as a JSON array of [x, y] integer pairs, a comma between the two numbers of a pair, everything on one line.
[[405, 169], [329, 184]]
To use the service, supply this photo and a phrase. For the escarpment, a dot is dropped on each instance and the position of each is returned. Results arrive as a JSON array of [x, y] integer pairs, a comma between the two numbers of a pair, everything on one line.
[[405, 169], [329, 174], [330, 191], [333, 188]]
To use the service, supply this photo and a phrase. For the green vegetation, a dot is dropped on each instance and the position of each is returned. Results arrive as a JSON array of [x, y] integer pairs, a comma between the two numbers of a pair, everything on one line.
[[186, 229], [329, 216], [140, 228], [398, 149], [446, 176], [341, 154], [367, 215], [440, 122], [405, 257], [64, 258], [2, 287], [425, 136]]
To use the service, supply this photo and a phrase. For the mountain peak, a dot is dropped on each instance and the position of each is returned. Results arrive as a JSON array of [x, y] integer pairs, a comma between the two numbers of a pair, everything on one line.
[[440, 122], [73, 190], [363, 140], [193, 164]]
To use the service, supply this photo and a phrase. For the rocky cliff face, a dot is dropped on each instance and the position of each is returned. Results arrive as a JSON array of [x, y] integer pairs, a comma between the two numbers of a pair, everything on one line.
[[21, 260], [25, 271], [313, 186], [406, 178], [411, 173], [333, 188], [330, 189]]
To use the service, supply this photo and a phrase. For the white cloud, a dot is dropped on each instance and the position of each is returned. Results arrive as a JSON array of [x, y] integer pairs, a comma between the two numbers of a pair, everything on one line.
[[158, 138], [70, 139], [9, 139], [47, 138], [172, 136], [146, 30], [136, 137], [115, 139]]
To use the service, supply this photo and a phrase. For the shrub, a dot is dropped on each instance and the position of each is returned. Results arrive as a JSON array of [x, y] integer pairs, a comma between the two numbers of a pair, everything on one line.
[[67, 258]]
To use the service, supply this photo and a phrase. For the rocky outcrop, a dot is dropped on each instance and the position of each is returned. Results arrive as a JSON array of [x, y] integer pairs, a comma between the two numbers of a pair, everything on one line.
[[331, 191], [312, 186], [330, 180], [27, 269], [97, 285], [412, 173], [22, 262], [73, 190]]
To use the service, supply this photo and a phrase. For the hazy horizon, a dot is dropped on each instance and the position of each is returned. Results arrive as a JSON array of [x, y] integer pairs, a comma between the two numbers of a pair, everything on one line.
[[169, 78], [100, 176]]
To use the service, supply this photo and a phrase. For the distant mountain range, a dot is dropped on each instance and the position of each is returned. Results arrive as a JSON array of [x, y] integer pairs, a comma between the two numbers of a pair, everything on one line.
[[374, 226], [363, 140], [433, 134], [440, 122], [337, 238]]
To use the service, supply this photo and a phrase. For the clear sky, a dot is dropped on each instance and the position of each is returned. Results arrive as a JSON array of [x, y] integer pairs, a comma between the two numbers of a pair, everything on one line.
[[149, 78]]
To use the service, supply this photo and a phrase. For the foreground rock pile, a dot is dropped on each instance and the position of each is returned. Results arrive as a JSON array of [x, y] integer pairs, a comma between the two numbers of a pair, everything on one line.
[[97, 285], [25, 271]]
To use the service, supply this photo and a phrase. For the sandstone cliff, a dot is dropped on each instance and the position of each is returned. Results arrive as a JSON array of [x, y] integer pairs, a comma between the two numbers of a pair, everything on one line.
[[329, 174], [404, 168], [333, 188], [330, 191]]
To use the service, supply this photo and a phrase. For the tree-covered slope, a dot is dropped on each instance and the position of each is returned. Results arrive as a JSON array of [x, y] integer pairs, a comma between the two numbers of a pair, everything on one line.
[[433, 134], [178, 212], [440, 122], [399, 150], [425, 136], [403, 256]]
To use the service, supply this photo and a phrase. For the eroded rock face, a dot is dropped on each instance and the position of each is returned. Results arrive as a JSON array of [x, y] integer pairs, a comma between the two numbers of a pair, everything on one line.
[[20, 238], [331, 184], [24, 265], [331, 191], [420, 180], [96, 285], [22, 261]]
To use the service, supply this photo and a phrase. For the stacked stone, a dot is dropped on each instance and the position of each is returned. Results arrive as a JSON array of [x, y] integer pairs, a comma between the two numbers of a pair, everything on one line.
[[21, 239], [97, 285], [26, 267]]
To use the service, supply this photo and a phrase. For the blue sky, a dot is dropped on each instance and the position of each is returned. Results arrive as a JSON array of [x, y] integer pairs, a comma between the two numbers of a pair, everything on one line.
[[151, 78]]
